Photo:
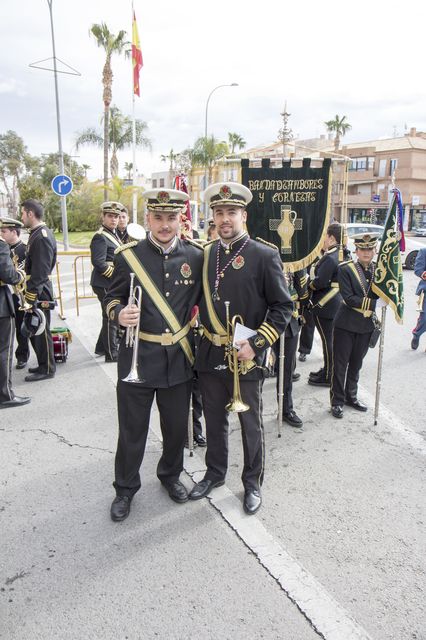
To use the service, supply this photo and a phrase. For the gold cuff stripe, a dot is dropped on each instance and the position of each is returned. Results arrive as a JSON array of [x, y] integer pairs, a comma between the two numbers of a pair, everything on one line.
[[272, 329], [111, 305], [30, 296], [266, 335]]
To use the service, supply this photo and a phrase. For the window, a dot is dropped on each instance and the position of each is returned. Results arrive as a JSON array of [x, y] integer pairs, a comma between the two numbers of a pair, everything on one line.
[[154, 183], [382, 168], [370, 162], [360, 164], [161, 182], [393, 165]]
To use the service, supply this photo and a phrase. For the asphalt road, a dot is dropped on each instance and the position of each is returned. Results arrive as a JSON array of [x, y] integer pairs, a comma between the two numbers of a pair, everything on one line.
[[337, 551]]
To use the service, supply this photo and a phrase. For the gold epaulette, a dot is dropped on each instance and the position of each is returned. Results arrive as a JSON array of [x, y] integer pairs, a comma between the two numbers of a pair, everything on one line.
[[128, 245], [345, 262], [99, 231], [270, 244], [195, 243], [210, 242]]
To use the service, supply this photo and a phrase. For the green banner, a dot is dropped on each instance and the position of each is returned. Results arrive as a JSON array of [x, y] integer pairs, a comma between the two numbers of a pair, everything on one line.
[[388, 281], [290, 208]]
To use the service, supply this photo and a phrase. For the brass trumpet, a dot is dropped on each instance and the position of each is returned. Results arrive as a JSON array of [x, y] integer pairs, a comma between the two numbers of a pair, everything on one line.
[[236, 404], [132, 334]]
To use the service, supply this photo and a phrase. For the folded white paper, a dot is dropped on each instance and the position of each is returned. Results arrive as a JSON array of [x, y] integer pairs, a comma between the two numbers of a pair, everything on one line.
[[242, 333]]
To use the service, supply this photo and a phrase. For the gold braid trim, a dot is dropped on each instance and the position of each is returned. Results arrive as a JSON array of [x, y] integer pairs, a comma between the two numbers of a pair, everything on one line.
[[128, 245], [270, 244]]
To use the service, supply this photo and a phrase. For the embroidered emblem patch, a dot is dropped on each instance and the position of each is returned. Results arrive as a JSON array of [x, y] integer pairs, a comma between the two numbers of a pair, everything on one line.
[[238, 262], [185, 270], [259, 342], [163, 197], [225, 192]]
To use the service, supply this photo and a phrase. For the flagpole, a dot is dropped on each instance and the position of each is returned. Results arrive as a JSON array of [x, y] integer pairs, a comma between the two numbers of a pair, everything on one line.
[[134, 191], [379, 366]]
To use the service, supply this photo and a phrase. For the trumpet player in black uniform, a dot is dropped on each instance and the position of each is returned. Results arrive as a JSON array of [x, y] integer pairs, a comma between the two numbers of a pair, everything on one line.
[[241, 277], [39, 263], [325, 299], [160, 361], [9, 275], [102, 247], [11, 232], [353, 325], [298, 288]]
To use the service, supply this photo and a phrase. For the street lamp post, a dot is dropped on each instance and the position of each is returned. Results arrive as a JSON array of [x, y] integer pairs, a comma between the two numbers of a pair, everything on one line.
[[233, 84]]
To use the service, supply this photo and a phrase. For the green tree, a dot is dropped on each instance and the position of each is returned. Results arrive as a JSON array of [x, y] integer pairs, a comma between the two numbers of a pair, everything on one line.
[[128, 166], [206, 153], [111, 44], [172, 158], [235, 141], [13, 159], [120, 137], [338, 126]]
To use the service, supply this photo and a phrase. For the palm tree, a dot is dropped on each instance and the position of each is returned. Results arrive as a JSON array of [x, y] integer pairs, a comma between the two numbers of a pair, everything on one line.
[[85, 168], [339, 127], [120, 137], [128, 166], [172, 157], [206, 152], [111, 44], [235, 140]]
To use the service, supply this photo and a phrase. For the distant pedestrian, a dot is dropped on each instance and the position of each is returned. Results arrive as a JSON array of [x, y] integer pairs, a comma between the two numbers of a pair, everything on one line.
[[420, 271]]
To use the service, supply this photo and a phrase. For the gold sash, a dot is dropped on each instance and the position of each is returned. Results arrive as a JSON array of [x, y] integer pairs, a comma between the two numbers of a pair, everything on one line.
[[214, 320], [158, 300]]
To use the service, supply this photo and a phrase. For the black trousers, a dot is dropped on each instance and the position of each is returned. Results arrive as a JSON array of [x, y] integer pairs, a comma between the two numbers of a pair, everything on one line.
[[134, 410], [197, 406], [108, 337], [7, 328], [349, 350], [217, 390], [325, 329], [43, 347], [22, 351], [307, 333], [290, 348]]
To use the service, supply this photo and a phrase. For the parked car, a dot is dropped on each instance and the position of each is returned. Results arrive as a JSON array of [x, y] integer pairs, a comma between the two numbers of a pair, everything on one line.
[[411, 246], [420, 232]]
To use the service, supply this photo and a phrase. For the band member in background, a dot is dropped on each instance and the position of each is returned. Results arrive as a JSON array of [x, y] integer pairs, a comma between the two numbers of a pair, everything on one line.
[[8, 275], [306, 339], [249, 275], [102, 247], [169, 270], [297, 284], [123, 221], [212, 233], [10, 230], [325, 299], [420, 271], [353, 325], [39, 263]]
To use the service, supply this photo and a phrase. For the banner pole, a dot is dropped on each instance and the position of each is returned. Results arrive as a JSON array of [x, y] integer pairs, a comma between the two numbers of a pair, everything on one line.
[[190, 429], [280, 385], [379, 366]]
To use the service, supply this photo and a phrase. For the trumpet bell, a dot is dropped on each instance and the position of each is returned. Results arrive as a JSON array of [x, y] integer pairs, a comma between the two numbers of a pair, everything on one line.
[[133, 378], [136, 231], [237, 406]]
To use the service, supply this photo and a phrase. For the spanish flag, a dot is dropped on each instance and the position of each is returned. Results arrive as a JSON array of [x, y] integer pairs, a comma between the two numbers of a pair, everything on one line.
[[136, 56]]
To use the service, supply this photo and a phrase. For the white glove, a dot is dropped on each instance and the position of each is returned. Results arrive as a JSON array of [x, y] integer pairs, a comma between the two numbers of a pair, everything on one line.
[[381, 303]]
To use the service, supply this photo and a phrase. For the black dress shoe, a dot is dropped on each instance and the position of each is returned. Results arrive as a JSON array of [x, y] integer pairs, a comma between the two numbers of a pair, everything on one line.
[[302, 357], [176, 490], [295, 377], [203, 488], [35, 377], [320, 381], [317, 374], [337, 411], [200, 440], [113, 359], [252, 501], [99, 353], [186, 445], [33, 370], [120, 508], [292, 419], [356, 404], [415, 342], [16, 402], [21, 364]]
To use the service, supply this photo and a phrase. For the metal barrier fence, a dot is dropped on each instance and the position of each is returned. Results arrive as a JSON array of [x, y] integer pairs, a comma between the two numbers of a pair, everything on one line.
[[81, 270]]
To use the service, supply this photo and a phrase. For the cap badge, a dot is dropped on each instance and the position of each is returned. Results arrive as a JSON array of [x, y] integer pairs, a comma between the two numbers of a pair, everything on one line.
[[163, 197], [238, 262], [259, 342], [225, 192], [185, 270]]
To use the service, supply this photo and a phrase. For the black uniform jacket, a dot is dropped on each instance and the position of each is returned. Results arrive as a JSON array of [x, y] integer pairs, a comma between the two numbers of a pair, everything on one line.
[[298, 289], [325, 296], [123, 235], [18, 252], [359, 302], [8, 275], [177, 276], [256, 288], [102, 248], [39, 264]]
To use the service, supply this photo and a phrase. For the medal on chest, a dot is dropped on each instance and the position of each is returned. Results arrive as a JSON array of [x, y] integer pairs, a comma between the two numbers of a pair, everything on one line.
[[237, 262], [185, 270]]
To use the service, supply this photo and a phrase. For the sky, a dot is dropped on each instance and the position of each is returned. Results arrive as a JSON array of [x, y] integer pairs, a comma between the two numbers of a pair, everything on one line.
[[364, 60]]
